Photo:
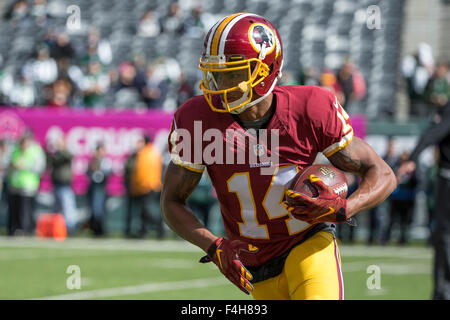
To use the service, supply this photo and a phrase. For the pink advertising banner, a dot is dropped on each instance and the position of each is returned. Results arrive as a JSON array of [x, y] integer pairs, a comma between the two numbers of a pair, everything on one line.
[[359, 124], [83, 130]]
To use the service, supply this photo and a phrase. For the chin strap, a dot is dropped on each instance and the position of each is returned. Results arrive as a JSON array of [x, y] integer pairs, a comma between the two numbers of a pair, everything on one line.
[[252, 103]]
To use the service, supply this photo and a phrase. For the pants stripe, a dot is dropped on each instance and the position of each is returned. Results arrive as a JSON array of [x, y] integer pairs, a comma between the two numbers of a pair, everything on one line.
[[339, 270]]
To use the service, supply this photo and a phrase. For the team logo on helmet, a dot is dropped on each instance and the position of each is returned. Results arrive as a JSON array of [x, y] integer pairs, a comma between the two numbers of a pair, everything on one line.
[[262, 38]]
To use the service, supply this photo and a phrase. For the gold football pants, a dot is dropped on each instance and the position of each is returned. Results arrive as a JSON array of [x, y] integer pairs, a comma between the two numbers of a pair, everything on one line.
[[312, 271]]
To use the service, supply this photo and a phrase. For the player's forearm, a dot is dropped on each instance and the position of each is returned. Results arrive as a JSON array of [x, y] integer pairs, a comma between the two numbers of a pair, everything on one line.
[[376, 185], [183, 222], [178, 185], [378, 179]]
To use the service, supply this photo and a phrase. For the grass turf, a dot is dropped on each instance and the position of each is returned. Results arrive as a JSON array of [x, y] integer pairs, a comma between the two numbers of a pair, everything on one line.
[[32, 271]]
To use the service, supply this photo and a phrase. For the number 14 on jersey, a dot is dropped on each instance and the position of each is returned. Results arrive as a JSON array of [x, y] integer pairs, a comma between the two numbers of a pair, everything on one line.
[[240, 184]]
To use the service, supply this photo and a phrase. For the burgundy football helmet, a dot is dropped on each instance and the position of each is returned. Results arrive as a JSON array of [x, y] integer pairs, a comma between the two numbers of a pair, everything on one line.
[[242, 54]]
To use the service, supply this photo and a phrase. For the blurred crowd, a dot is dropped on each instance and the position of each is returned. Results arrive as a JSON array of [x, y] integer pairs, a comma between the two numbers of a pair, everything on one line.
[[427, 81], [58, 74], [23, 165], [347, 83], [391, 221]]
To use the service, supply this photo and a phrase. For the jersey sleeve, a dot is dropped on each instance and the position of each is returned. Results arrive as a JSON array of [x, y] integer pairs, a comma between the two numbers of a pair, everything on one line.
[[184, 147], [331, 125]]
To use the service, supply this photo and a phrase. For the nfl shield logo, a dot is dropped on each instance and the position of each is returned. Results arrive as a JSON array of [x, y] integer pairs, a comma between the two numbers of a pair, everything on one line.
[[259, 150]]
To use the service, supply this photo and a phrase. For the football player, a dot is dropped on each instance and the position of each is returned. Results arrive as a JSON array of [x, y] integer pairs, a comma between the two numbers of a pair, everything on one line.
[[268, 251]]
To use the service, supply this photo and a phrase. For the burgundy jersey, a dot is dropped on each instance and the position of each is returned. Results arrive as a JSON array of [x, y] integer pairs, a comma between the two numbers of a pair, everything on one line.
[[249, 170]]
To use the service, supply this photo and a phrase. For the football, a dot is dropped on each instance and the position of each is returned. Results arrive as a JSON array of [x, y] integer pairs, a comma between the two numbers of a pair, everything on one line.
[[330, 175]]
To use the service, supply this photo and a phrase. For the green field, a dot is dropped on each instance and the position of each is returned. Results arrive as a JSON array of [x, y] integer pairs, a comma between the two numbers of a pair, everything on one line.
[[149, 269]]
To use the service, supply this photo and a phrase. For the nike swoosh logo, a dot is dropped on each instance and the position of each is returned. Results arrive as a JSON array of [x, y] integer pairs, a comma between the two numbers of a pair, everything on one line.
[[331, 211], [218, 251], [314, 178]]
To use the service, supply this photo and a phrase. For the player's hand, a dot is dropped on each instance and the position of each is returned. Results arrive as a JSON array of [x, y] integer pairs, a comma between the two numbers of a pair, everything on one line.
[[225, 254], [326, 207]]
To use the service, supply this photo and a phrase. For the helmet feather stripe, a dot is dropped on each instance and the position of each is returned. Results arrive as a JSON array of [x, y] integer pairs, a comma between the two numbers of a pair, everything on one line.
[[227, 30], [218, 33]]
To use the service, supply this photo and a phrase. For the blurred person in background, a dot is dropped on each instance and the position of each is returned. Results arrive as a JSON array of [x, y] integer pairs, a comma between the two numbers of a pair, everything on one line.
[[185, 89], [202, 200], [194, 25], [99, 169], [143, 175], [97, 48], [437, 91], [309, 76], [375, 219], [3, 80], [49, 39], [167, 68], [167, 73], [22, 92], [350, 85], [113, 74], [62, 51], [43, 70], [95, 85], [128, 170], [327, 80], [417, 70], [140, 62], [113, 78], [5, 158], [59, 94], [438, 133], [401, 203], [431, 189], [130, 88], [149, 25], [156, 89], [18, 13], [26, 167], [172, 22], [390, 157], [39, 12], [59, 162]]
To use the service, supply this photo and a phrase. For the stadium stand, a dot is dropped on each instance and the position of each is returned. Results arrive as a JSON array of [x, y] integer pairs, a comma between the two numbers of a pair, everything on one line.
[[319, 34]]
